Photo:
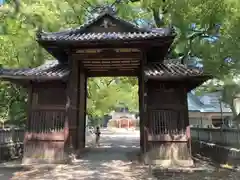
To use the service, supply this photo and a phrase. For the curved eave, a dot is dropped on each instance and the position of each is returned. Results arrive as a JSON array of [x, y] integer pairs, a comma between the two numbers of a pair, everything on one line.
[[25, 81], [151, 41], [180, 78]]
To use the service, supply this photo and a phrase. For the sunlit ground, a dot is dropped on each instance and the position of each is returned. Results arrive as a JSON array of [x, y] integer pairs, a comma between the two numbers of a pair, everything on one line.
[[115, 159]]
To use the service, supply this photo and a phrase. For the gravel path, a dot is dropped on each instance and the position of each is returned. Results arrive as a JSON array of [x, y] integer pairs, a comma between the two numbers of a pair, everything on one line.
[[116, 159]]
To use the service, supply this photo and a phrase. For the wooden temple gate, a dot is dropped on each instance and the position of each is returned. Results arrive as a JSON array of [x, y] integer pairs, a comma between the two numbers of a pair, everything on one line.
[[106, 46]]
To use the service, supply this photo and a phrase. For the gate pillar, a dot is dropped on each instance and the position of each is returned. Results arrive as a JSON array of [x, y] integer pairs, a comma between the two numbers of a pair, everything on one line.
[[82, 109], [75, 121], [166, 130], [142, 103]]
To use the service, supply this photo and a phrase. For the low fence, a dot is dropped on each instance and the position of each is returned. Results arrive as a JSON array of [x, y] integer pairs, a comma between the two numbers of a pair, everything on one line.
[[11, 143], [220, 145], [227, 137]]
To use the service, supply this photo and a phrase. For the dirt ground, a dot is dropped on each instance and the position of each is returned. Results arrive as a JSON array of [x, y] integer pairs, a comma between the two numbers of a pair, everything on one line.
[[115, 159]]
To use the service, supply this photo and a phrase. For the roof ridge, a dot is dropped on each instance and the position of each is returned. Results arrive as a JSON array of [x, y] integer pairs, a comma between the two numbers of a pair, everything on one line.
[[80, 28]]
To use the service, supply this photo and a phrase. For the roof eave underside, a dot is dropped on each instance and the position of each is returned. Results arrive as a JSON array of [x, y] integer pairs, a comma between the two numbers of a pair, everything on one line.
[[194, 81], [81, 37], [59, 48], [32, 78]]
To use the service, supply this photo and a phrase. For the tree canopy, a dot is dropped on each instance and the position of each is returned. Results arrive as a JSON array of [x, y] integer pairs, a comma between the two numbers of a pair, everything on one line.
[[206, 29]]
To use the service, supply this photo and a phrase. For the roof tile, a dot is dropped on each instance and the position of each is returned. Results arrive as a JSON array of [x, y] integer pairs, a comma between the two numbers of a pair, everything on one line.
[[80, 29], [51, 69], [54, 69], [105, 36], [79, 33], [170, 69]]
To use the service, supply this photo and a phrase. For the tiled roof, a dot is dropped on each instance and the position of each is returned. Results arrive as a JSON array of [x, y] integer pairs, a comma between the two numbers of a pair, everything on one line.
[[51, 69], [79, 33], [105, 36], [212, 100], [171, 69], [82, 28], [195, 104], [54, 69]]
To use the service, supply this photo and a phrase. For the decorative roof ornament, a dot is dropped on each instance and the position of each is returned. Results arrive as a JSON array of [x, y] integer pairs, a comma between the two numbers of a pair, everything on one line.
[[107, 23]]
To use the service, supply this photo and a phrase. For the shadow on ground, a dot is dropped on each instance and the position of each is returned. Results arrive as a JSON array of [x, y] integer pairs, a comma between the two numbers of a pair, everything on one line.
[[7, 172], [117, 159], [113, 160]]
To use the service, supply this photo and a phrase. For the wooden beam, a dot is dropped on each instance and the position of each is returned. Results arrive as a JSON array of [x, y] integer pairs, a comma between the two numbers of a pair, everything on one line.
[[111, 61], [97, 50], [119, 66], [108, 59], [139, 43], [53, 84], [132, 55], [111, 69], [111, 65], [112, 73], [53, 136], [167, 137]]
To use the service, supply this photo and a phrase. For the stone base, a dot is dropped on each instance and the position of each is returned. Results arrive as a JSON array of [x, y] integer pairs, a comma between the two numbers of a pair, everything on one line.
[[172, 163], [45, 153], [169, 155]]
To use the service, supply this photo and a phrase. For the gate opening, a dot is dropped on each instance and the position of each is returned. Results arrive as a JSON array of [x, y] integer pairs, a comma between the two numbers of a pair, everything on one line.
[[113, 105]]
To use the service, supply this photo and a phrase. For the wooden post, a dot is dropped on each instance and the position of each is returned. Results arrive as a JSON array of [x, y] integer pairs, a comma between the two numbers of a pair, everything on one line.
[[73, 105], [29, 107], [141, 101], [82, 108]]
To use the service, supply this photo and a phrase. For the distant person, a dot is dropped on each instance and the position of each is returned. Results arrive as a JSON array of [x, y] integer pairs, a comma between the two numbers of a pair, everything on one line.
[[97, 133]]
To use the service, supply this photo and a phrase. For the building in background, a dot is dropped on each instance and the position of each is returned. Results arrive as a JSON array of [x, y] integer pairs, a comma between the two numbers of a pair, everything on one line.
[[122, 118], [208, 110], [204, 111]]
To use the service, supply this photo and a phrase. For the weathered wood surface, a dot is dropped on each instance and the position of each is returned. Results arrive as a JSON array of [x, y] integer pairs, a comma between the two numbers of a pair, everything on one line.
[[167, 140], [45, 134]]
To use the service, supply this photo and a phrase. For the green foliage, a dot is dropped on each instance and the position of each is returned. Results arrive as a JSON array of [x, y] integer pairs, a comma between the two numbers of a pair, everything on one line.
[[19, 23], [231, 91], [105, 94]]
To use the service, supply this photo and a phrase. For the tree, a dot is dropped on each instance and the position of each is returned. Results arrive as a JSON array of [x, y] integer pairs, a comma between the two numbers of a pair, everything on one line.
[[231, 92], [105, 94], [207, 29]]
